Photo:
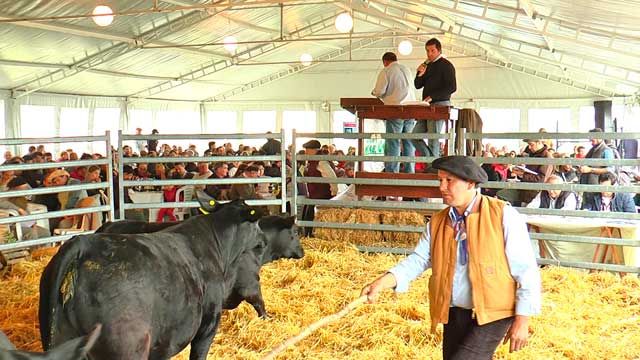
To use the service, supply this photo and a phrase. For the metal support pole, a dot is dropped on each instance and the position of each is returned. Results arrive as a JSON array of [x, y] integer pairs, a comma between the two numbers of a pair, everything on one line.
[[294, 174], [120, 177], [283, 172], [109, 176], [463, 146]]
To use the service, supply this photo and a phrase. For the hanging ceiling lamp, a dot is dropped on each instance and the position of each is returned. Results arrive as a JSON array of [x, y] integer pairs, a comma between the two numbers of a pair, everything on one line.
[[104, 20], [405, 47], [230, 44], [306, 59], [344, 22]]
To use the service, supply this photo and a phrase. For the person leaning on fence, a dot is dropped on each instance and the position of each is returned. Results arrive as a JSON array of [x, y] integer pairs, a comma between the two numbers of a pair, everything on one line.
[[485, 281], [554, 199]]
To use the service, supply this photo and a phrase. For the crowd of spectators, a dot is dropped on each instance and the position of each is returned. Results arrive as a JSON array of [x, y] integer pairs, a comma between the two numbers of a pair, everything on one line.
[[65, 175]]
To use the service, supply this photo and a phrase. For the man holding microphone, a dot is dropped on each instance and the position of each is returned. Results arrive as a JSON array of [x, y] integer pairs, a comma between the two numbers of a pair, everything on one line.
[[437, 79]]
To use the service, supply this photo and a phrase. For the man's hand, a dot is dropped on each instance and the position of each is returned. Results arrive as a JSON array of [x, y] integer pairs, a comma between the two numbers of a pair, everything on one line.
[[422, 69], [427, 99], [584, 169], [386, 281], [518, 333]]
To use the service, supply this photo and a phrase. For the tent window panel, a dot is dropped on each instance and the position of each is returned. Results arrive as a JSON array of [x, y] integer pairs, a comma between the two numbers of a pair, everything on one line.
[[36, 122], [344, 121], [302, 121], [106, 119], [501, 120], [258, 122], [221, 122], [74, 122], [178, 122]]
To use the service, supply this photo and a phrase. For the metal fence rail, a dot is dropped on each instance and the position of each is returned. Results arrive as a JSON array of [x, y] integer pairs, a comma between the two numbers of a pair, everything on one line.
[[302, 200], [123, 184], [106, 185]]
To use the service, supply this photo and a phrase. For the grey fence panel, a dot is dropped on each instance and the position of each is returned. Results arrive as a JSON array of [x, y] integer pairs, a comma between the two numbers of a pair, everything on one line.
[[495, 185]]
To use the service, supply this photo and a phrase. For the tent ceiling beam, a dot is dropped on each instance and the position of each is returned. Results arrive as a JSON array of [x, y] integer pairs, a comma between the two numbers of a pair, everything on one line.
[[494, 58], [530, 50], [90, 33], [345, 51], [216, 6], [606, 40], [109, 53], [213, 67]]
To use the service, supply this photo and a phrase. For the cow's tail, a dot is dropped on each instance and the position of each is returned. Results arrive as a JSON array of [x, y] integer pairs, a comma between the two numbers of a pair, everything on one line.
[[56, 282]]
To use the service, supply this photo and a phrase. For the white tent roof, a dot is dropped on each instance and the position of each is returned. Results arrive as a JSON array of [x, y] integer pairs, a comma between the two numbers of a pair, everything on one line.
[[171, 49]]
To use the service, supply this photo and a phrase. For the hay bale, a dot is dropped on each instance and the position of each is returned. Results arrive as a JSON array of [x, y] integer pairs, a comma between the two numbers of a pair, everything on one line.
[[349, 216], [397, 238]]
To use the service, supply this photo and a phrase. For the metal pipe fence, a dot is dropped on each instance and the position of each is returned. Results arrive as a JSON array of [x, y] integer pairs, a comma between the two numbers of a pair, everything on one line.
[[107, 186], [125, 184], [422, 206]]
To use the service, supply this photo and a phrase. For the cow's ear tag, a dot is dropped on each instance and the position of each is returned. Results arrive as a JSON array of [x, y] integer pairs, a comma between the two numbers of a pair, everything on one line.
[[212, 202], [203, 211], [253, 212]]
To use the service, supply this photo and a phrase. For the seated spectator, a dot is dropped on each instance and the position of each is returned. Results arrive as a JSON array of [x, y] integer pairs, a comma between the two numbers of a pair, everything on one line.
[[245, 191], [169, 195], [219, 191], [568, 173], [30, 230], [79, 173], [142, 171], [554, 199], [203, 173], [179, 172], [607, 200]]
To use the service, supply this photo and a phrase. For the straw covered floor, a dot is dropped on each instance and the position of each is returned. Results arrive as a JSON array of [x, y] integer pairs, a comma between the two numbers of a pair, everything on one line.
[[585, 315]]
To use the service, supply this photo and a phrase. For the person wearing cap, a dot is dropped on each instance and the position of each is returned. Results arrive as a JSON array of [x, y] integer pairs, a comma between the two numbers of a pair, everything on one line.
[[393, 87], [316, 168], [485, 282], [599, 150]]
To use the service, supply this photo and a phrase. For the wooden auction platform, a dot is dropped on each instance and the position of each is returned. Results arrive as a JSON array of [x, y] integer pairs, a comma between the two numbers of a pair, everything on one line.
[[373, 108], [397, 190]]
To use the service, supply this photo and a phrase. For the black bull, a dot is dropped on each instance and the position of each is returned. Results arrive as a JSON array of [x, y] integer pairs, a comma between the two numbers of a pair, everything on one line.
[[281, 239], [153, 293]]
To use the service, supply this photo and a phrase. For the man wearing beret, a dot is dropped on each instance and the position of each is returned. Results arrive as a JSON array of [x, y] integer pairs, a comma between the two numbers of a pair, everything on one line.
[[485, 282]]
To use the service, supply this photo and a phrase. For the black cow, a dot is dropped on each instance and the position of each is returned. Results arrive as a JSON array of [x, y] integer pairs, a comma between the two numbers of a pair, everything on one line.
[[75, 349], [154, 293], [133, 227], [281, 240]]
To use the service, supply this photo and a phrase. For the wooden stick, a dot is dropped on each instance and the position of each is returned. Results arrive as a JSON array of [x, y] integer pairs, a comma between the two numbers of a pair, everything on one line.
[[315, 326]]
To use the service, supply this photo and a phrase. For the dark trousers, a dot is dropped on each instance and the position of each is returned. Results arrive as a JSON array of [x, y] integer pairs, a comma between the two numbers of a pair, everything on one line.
[[464, 339], [308, 214]]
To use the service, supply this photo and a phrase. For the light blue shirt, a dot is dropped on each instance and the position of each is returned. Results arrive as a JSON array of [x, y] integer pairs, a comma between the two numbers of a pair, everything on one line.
[[394, 85], [517, 247]]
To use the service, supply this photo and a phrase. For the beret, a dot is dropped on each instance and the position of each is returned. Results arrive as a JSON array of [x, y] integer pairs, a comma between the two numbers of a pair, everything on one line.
[[461, 166]]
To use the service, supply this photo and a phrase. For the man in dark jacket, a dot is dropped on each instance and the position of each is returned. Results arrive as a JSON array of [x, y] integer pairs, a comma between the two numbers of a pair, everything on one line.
[[437, 79], [608, 200]]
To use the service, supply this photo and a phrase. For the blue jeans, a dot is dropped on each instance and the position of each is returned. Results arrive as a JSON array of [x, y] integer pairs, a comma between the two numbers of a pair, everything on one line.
[[430, 127], [392, 146]]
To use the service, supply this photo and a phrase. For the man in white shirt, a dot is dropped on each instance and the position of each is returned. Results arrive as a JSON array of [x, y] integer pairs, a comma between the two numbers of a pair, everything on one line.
[[393, 87]]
